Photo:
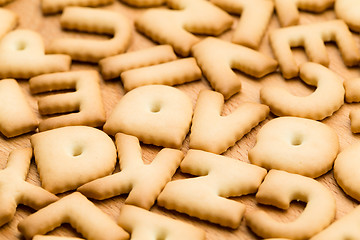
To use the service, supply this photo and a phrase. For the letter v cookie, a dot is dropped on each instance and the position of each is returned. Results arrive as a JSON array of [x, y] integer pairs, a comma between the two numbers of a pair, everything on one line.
[[312, 38], [84, 106], [215, 133], [15, 190], [142, 224], [77, 210], [175, 27], [93, 21], [217, 58], [205, 196], [143, 182]]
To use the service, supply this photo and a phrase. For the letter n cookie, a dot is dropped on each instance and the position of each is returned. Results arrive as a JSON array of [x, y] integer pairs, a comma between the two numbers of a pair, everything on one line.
[[204, 197]]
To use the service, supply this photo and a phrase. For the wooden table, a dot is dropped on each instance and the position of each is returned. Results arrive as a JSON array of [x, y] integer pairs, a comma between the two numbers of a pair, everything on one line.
[[49, 27]]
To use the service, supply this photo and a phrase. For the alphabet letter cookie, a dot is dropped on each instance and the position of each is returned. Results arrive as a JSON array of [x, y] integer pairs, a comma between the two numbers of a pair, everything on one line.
[[312, 38], [323, 102], [217, 58], [68, 157], [93, 21], [77, 210], [215, 133], [85, 103], [204, 197], [295, 145], [279, 189], [15, 190], [143, 182], [22, 56], [155, 114]]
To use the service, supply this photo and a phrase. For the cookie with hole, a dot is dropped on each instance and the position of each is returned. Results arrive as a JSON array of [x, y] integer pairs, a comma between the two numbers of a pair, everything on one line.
[[295, 145], [156, 114], [22, 55], [70, 156]]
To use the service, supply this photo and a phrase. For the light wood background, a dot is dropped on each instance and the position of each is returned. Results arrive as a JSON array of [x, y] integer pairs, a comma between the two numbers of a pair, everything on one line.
[[49, 27]]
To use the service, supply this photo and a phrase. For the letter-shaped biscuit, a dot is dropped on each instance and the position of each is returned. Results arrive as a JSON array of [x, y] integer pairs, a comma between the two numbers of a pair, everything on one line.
[[143, 182], [204, 197], [171, 73], [94, 21], [142, 224], [85, 103], [174, 27], [288, 13], [346, 170], [348, 10], [15, 190], [16, 116], [279, 189], [312, 38], [215, 133], [217, 58], [55, 6], [255, 17], [155, 114], [295, 145], [112, 67], [22, 56], [344, 228], [80, 213], [8, 21], [68, 157], [323, 102]]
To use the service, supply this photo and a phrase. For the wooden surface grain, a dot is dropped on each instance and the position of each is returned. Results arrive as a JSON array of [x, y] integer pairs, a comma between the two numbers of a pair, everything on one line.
[[30, 17]]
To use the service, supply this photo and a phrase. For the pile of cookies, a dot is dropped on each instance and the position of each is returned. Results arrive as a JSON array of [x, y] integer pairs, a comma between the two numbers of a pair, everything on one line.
[[179, 119]]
